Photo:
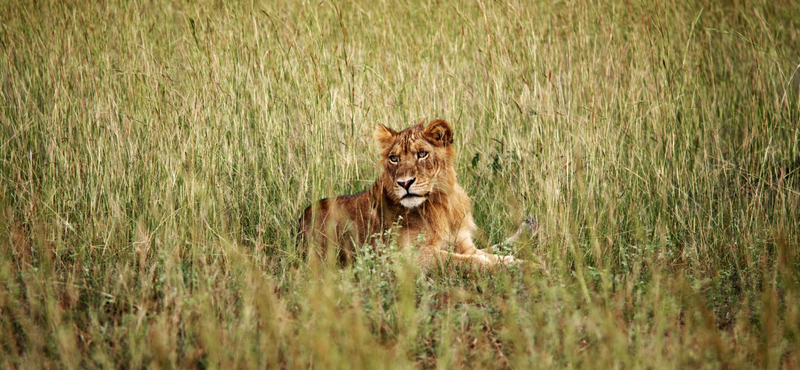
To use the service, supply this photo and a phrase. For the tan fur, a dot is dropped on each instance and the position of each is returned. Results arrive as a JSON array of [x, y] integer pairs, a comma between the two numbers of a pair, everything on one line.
[[443, 216]]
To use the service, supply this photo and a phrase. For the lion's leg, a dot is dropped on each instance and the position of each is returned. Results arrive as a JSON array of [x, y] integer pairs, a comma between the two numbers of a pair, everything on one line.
[[435, 253], [465, 246], [433, 256]]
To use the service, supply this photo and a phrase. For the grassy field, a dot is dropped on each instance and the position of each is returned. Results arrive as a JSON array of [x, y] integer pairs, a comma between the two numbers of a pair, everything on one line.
[[155, 159]]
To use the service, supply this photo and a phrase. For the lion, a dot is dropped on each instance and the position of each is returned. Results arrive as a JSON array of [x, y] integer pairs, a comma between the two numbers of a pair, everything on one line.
[[418, 194]]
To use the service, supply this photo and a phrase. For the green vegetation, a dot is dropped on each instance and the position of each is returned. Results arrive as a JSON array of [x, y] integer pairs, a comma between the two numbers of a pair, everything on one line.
[[155, 158]]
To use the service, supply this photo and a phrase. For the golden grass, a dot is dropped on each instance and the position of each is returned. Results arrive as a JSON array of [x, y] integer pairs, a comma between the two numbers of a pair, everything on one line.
[[155, 158]]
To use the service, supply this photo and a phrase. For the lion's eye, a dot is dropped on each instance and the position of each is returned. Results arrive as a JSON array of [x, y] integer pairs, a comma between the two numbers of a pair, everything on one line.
[[422, 154], [394, 159]]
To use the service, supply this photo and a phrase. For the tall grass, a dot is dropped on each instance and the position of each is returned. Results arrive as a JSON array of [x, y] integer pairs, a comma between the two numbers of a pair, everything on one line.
[[155, 158]]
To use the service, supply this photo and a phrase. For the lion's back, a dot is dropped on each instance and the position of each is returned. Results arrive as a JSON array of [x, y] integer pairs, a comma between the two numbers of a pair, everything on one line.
[[335, 223]]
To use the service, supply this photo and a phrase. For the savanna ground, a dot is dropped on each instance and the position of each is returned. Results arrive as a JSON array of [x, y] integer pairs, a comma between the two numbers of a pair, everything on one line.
[[155, 158]]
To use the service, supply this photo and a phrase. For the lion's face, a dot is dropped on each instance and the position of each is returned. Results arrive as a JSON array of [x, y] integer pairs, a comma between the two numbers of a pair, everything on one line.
[[416, 162]]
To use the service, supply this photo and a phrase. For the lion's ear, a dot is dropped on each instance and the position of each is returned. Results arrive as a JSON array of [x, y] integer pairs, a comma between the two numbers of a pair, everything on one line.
[[384, 135], [439, 133]]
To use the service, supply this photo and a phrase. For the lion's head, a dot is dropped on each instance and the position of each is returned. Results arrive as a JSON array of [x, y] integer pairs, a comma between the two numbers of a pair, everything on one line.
[[416, 162]]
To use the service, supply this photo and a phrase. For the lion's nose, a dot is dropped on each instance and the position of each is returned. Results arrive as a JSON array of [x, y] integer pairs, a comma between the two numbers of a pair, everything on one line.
[[406, 184]]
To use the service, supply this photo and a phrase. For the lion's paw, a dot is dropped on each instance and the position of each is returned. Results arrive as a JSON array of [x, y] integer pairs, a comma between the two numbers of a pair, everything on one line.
[[511, 261], [531, 224]]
